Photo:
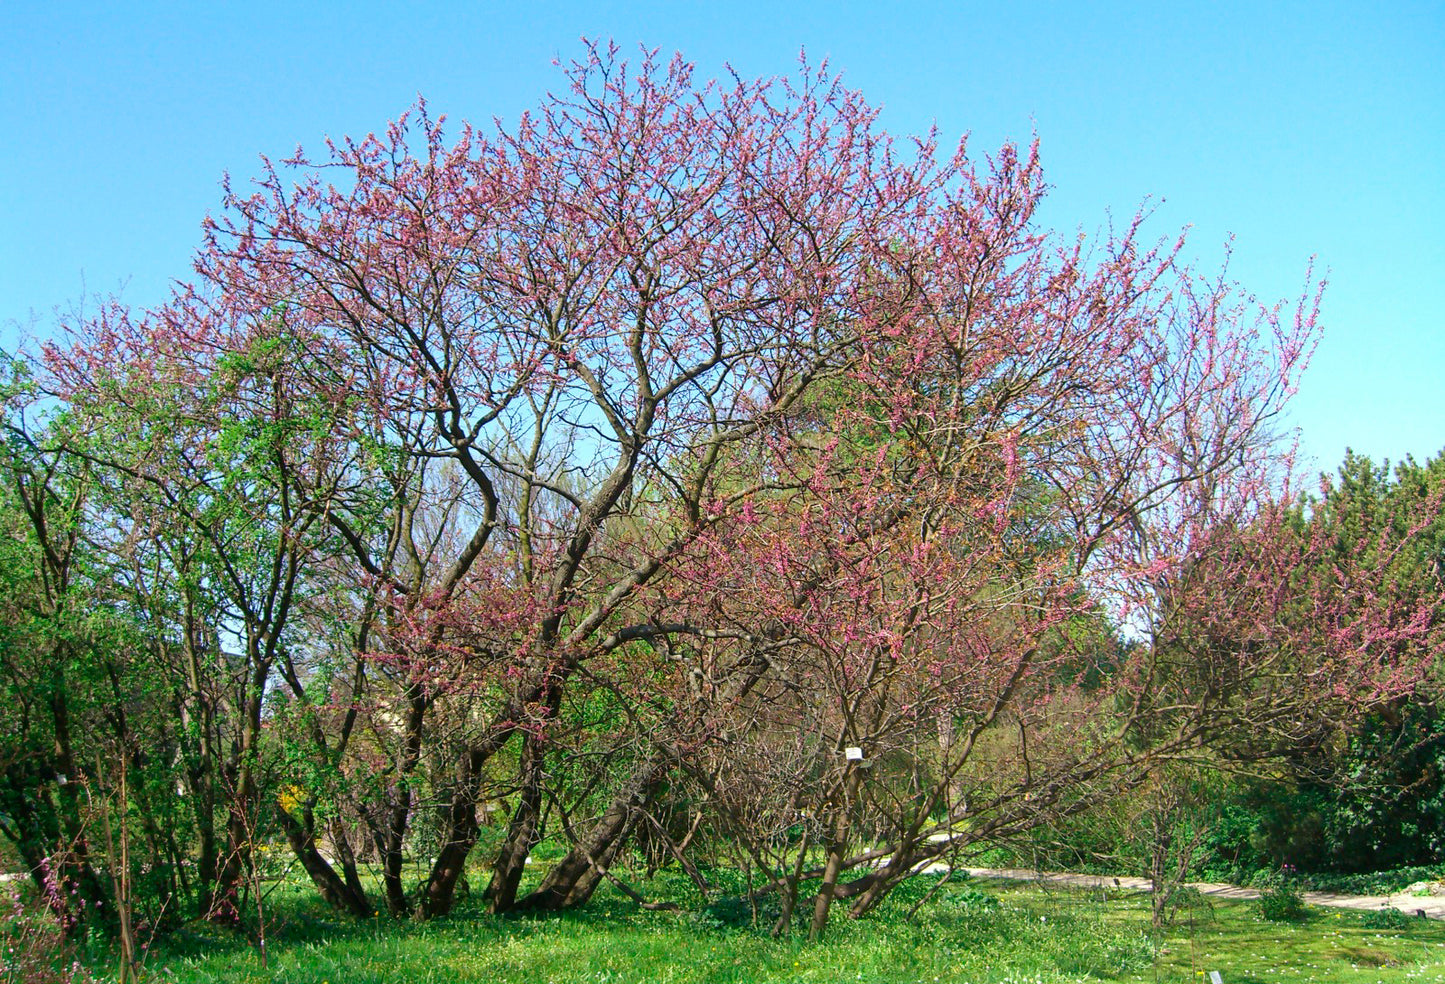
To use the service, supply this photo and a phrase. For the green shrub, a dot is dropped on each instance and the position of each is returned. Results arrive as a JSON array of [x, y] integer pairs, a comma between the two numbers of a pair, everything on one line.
[[1373, 882], [971, 898], [1279, 898], [1187, 898], [1386, 918]]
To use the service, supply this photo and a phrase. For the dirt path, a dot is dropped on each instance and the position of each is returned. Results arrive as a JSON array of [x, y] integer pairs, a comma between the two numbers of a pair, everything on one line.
[[1432, 906]]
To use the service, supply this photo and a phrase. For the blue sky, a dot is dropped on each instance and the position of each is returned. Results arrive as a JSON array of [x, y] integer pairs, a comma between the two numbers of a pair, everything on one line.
[[1300, 128]]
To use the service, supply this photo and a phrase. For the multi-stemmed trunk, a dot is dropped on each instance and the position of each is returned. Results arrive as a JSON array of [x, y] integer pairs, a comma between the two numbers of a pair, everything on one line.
[[524, 830], [389, 835], [572, 880], [345, 894], [460, 827]]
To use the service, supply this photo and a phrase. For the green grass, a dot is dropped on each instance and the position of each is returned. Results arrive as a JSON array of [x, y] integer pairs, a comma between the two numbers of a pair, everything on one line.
[[972, 931], [1328, 946]]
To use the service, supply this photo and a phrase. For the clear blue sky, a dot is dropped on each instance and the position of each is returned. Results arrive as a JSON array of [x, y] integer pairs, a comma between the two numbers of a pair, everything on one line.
[[1302, 128]]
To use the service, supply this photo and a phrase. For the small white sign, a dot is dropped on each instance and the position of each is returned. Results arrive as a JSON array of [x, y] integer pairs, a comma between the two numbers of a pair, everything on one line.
[[1214, 977], [853, 753]]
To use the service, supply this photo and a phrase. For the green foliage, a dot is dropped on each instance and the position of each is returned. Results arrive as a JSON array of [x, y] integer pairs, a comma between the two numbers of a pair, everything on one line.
[[971, 899], [966, 933], [1373, 882], [1370, 797], [1373, 802], [1386, 809], [1387, 917], [1188, 900], [1368, 505], [1279, 897], [1231, 850]]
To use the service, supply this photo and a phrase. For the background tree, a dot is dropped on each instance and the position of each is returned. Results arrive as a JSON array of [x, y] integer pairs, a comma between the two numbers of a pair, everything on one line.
[[1366, 795], [80, 689]]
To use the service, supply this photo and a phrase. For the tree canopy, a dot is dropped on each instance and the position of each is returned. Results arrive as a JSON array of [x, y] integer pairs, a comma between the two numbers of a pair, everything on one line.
[[622, 471]]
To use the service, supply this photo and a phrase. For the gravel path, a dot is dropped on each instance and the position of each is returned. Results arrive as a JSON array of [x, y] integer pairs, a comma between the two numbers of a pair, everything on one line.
[[1432, 906]]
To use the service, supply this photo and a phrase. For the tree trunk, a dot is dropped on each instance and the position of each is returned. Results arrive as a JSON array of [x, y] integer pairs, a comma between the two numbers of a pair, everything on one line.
[[241, 789], [337, 893], [74, 853], [790, 889], [197, 716], [836, 842], [523, 832], [572, 880], [345, 854], [824, 900], [207, 854], [871, 888], [461, 834], [387, 839], [388, 832], [234, 863]]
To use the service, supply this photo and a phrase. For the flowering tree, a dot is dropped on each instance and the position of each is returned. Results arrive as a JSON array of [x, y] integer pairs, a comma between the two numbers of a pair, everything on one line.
[[1043, 440], [577, 319], [716, 402]]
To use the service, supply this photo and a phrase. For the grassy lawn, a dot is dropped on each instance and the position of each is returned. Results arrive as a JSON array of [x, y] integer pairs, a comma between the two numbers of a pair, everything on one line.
[[971, 931], [1330, 945]]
